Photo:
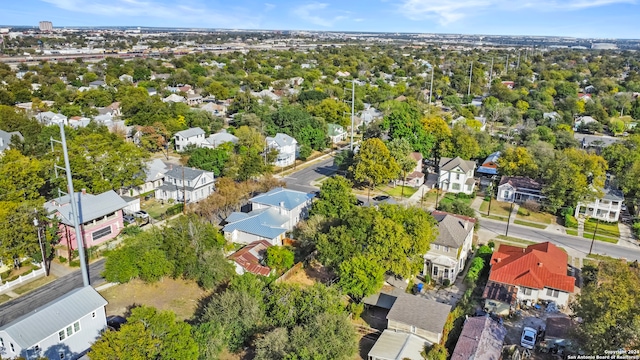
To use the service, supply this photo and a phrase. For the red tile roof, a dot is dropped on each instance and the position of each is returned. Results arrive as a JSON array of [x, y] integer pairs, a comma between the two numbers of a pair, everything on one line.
[[249, 257], [536, 266]]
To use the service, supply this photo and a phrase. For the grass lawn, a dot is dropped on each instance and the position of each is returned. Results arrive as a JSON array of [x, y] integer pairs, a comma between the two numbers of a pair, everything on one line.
[[590, 262], [530, 224], [449, 198], [600, 237], [430, 197], [534, 216], [572, 232], [604, 229], [497, 208], [493, 217], [599, 257], [4, 298], [515, 240], [397, 191], [154, 207], [180, 296], [34, 284]]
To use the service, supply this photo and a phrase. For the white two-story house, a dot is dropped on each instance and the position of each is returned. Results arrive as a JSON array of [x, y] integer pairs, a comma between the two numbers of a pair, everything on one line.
[[606, 208], [451, 249], [181, 182], [286, 146], [184, 138], [456, 175]]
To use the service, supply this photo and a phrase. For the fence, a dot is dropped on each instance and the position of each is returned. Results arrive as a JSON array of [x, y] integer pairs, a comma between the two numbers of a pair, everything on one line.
[[289, 272], [22, 279]]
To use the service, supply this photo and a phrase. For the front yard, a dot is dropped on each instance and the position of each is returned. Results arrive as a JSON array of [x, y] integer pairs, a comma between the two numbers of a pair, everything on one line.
[[498, 208], [397, 191], [155, 208], [535, 216], [604, 229]]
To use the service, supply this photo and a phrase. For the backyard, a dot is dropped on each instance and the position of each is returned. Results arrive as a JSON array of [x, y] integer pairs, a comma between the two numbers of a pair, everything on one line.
[[155, 208]]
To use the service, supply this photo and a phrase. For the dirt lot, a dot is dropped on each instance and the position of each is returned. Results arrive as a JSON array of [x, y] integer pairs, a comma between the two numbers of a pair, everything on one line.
[[178, 295], [310, 274]]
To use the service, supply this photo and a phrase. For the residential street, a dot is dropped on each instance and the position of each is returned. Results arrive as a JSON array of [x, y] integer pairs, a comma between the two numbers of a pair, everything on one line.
[[49, 292], [492, 228], [301, 179]]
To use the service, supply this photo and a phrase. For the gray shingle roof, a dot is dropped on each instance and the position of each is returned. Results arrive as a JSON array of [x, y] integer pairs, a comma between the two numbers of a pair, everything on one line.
[[290, 198], [91, 206], [451, 230], [267, 223], [189, 173], [190, 132], [46, 320], [613, 195], [449, 164], [422, 313], [481, 339]]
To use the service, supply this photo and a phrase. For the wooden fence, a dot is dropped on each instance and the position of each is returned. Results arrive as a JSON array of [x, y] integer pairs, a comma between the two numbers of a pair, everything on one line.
[[290, 272]]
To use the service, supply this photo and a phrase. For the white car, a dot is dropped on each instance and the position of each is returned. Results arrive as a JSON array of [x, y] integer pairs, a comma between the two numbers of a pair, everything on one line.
[[528, 339]]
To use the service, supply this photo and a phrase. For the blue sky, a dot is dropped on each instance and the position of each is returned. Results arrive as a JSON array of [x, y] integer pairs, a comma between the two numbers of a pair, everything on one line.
[[581, 18]]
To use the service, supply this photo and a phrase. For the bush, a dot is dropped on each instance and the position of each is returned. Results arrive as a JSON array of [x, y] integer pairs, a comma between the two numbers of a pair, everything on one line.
[[62, 259], [175, 209], [487, 198], [74, 263], [477, 264], [446, 282], [356, 309], [462, 196], [491, 244], [435, 352], [132, 230], [531, 205], [570, 221], [636, 228]]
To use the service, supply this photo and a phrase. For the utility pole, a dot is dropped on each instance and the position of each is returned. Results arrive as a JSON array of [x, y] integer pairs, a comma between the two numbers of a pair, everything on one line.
[[470, 76], [431, 86], [506, 234], [518, 66], [44, 259], [593, 239], [74, 206], [506, 65], [353, 103], [184, 194]]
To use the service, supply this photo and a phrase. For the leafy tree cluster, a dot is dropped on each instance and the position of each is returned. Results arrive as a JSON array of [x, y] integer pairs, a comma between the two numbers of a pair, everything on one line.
[[187, 248], [283, 321]]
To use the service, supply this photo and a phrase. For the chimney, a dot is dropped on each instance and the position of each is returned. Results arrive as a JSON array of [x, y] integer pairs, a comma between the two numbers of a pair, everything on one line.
[[282, 209], [498, 260], [84, 191], [540, 264]]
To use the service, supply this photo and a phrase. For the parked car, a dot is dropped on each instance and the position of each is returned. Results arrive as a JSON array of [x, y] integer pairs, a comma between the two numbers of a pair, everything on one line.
[[381, 197], [129, 219], [359, 202], [141, 214], [528, 339]]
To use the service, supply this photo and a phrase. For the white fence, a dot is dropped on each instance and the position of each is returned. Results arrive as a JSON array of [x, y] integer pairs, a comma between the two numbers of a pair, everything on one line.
[[22, 280]]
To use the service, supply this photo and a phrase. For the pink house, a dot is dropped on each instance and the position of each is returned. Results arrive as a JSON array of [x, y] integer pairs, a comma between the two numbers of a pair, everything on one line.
[[100, 217]]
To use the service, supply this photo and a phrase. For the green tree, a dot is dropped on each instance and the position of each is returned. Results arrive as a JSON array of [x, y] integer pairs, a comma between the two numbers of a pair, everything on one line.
[[21, 177], [373, 164], [148, 334], [336, 199], [516, 161], [332, 111], [609, 307], [360, 276], [279, 258], [214, 160]]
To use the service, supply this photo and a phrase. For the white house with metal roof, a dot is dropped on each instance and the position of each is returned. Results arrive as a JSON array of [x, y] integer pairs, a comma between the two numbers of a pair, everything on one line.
[[286, 146], [64, 328], [192, 136], [217, 139], [291, 203], [49, 118], [153, 178], [456, 175], [268, 224], [181, 182]]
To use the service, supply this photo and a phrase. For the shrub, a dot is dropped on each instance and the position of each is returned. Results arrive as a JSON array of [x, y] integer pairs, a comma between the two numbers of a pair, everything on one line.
[[132, 230], [356, 309], [477, 264], [446, 282], [570, 221], [531, 205], [523, 212], [435, 352], [175, 209], [74, 263], [62, 259], [487, 198], [491, 244], [462, 196], [636, 228]]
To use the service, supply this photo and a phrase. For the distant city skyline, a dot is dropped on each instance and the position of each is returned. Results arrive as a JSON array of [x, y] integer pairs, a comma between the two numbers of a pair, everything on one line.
[[573, 18]]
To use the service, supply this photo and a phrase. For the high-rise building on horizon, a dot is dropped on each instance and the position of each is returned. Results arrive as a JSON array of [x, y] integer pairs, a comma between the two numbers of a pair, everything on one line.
[[46, 26]]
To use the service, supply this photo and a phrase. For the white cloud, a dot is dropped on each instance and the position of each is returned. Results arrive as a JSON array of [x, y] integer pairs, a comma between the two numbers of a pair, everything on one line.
[[176, 13], [311, 13], [450, 11]]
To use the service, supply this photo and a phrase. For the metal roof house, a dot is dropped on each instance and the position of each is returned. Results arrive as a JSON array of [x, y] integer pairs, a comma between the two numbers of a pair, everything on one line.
[[490, 165], [64, 328], [291, 203], [100, 217], [393, 345], [192, 136], [286, 146], [263, 224], [217, 139]]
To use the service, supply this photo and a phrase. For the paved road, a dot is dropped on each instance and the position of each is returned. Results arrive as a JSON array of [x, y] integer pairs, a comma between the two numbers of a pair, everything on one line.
[[580, 245], [301, 179], [13, 309]]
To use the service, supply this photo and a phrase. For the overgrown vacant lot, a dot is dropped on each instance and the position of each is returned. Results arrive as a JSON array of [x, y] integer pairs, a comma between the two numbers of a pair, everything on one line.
[[168, 294]]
